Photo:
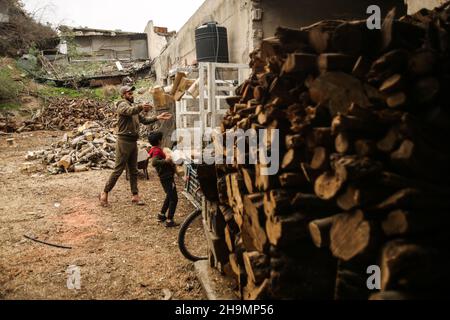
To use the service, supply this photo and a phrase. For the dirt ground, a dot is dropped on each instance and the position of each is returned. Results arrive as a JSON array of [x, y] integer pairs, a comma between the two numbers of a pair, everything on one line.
[[122, 251]]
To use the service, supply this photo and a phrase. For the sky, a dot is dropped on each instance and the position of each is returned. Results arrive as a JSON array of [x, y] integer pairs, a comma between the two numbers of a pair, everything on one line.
[[112, 14]]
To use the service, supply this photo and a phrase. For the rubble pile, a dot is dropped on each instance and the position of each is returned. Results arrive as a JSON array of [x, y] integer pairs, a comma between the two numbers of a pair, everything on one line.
[[363, 121]]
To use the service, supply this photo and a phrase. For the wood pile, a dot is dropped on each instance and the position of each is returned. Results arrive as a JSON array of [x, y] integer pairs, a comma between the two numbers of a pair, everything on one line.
[[90, 147], [7, 125], [363, 119], [63, 114]]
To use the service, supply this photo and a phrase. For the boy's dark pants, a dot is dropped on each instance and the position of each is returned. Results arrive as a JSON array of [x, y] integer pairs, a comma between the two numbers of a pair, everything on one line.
[[171, 201], [126, 155]]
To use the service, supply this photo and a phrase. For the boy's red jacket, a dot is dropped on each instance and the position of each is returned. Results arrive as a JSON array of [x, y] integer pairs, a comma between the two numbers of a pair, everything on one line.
[[165, 169], [156, 152]]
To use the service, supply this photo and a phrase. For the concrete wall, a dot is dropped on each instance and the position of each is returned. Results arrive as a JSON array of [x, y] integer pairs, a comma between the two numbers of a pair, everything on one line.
[[156, 42], [416, 5], [249, 21], [139, 50], [107, 48], [232, 14]]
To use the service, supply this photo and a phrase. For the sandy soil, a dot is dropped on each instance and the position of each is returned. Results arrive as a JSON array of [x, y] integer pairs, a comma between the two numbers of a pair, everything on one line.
[[122, 251]]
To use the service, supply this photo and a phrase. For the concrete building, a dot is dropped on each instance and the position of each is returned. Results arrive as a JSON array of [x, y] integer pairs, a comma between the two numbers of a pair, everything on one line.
[[158, 38], [416, 5], [249, 21], [106, 45], [4, 13]]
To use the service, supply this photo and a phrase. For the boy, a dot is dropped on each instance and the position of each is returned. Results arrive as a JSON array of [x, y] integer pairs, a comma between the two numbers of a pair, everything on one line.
[[166, 171]]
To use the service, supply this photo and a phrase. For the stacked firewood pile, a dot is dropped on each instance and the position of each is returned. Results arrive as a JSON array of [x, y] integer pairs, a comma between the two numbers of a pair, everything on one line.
[[90, 147], [363, 119], [63, 114]]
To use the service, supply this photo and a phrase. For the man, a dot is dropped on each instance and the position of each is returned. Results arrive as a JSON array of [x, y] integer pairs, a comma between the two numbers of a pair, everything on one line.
[[130, 118]]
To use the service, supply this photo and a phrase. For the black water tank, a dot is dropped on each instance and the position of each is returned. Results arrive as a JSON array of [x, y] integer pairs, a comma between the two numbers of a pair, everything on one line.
[[211, 42]]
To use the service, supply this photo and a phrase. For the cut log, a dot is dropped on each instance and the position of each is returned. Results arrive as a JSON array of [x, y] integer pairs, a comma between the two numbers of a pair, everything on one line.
[[249, 179], [300, 63], [328, 185], [277, 202], [110, 164], [293, 180], [351, 280], [365, 148], [350, 168], [320, 34], [338, 90], [397, 100], [230, 236], [320, 137], [291, 160], [265, 182], [354, 125], [238, 192], [285, 231], [361, 196], [65, 162], [257, 293], [235, 266], [343, 143], [354, 38], [229, 192], [414, 199], [362, 67], [392, 84], [406, 223], [294, 141], [336, 62], [320, 232], [395, 181], [270, 47], [222, 190], [254, 208], [310, 203], [390, 142], [410, 267], [320, 160], [257, 267], [350, 235], [390, 63], [81, 168]]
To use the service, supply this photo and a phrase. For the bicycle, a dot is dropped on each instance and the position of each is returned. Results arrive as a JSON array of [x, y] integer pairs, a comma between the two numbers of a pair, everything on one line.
[[193, 235], [190, 248]]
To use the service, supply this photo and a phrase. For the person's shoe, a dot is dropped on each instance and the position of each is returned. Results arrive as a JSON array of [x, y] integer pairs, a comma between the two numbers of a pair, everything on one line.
[[138, 201], [171, 224], [162, 218]]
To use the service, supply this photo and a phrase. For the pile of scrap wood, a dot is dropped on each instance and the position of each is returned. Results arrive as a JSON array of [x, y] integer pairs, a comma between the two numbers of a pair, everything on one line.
[[7, 125], [91, 146], [363, 121], [63, 114]]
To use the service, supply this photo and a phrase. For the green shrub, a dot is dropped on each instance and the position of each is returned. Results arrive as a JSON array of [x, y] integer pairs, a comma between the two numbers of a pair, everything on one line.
[[9, 88], [54, 92]]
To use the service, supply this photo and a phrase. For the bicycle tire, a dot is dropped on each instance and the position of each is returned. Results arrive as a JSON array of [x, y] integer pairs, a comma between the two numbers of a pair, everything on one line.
[[181, 238]]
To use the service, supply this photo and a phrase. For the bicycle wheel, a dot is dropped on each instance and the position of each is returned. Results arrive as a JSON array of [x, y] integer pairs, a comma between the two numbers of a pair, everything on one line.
[[192, 238]]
